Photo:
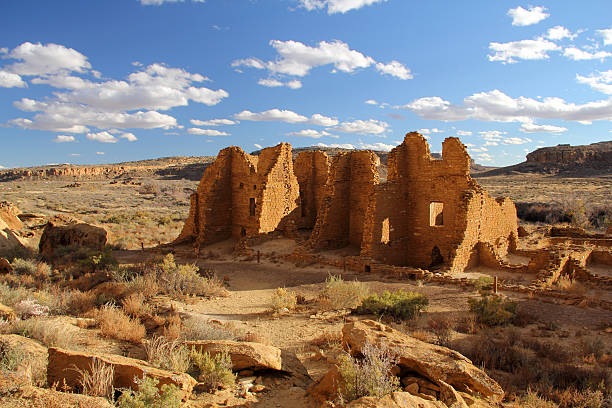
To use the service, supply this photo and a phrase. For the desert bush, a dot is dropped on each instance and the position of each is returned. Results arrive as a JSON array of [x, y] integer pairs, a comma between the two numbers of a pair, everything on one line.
[[370, 376], [24, 266], [328, 339], [116, 324], [213, 371], [570, 285], [492, 310], [79, 303], [97, 381], [149, 396], [467, 324], [48, 331], [167, 354], [282, 299], [173, 327], [199, 329], [570, 211], [146, 284], [442, 327], [532, 400], [399, 304], [340, 294], [135, 305], [102, 259], [10, 357], [482, 283], [29, 308], [592, 347]]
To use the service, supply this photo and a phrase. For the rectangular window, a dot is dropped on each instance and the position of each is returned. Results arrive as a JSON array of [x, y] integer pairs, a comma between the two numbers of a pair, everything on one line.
[[384, 233], [436, 214], [252, 206]]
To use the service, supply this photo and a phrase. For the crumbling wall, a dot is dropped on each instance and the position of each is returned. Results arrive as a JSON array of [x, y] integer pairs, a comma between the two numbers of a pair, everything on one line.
[[242, 195], [311, 169], [350, 183]]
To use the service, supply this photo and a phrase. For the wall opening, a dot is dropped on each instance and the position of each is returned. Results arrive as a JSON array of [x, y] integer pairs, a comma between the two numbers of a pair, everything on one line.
[[242, 232], [436, 214], [254, 186], [436, 257], [384, 233], [252, 206], [241, 186], [367, 268]]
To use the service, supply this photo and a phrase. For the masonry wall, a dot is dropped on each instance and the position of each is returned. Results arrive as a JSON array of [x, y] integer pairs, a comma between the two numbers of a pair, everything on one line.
[[350, 183], [311, 169]]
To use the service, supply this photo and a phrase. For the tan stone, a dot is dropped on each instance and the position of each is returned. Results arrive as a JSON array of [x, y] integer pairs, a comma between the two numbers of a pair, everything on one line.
[[244, 355], [83, 235], [63, 364], [435, 363], [6, 313], [34, 397], [396, 400]]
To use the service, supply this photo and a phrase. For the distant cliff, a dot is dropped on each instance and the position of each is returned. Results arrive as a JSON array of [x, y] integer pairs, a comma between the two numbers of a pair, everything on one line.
[[564, 160]]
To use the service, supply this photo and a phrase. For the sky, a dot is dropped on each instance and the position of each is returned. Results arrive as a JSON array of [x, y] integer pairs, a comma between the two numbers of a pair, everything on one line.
[[105, 81]]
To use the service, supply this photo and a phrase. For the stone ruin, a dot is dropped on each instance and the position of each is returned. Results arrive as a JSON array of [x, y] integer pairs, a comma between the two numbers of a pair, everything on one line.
[[429, 213]]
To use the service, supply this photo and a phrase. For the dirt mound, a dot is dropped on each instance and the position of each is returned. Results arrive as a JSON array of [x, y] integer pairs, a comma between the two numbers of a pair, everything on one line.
[[564, 160]]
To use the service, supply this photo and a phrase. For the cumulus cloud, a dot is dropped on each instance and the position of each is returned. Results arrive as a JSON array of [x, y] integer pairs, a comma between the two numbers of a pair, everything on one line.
[[130, 137], [213, 122], [464, 133], [298, 59], [525, 17], [206, 132], [601, 81], [577, 54], [531, 127], [606, 35], [39, 59], [370, 126], [287, 116], [315, 134], [485, 157], [11, 80], [428, 131], [559, 32], [337, 145], [496, 106], [64, 139], [100, 153], [336, 6], [507, 53], [275, 83], [376, 146], [371, 102], [102, 137]]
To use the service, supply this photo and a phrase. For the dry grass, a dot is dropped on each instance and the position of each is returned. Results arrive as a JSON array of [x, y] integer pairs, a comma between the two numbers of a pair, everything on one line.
[[50, 332], [328, 339], [135, 305], [167, 354], [97, 381], [282, 299], [116, 324], [339, 294]]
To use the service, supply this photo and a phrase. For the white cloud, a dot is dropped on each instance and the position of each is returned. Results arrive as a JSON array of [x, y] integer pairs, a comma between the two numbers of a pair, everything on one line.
[[495, 106], [485, 157], [160, 2], [287, 116], [100, 153], [522, 17], [130, 137], [274, 83], [428, 131], [395, 69], [601, 82], [38, 59], [531, 127], [559, 33], [464, 133], [370, 126], [376, 146], [102, 137], [206, 132], [577, 54], [11, 80], [537, 49], [515, 140], [3, 50], [258, 145], [371, 102], [64, 139], [315, 134], [607, 36], [75, 154], [337, 145], [298, 59], [337, 6], [213, 122]]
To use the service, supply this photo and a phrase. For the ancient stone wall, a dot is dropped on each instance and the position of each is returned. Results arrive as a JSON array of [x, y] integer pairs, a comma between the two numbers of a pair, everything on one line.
[[242, 195], [311, 169], [351, 181]]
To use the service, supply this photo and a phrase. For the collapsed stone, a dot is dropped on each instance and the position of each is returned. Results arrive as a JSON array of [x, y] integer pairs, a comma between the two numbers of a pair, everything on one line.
[[244, 355], [75, 234]]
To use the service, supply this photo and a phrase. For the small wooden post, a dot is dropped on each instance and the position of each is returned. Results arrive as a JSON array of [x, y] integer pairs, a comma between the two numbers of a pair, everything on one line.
[[142, 245], [495, 285], [258, 256]]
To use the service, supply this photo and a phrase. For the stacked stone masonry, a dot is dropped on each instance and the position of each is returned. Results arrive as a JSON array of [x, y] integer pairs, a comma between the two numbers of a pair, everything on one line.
[[428, 214]]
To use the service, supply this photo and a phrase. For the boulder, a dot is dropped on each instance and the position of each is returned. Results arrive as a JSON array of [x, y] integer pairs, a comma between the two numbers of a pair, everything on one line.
[[437, 364], [395, 400], [10, 224], [33, 364], [25, 396], [244, 355], [63, 365], [82, 235], [5, 266]]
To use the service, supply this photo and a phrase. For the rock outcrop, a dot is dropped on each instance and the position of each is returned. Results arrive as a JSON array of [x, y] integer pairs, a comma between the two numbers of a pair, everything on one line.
[[5, 266], [435, 364], [81, 234], [244, 355], [64, 365], [10, 224]]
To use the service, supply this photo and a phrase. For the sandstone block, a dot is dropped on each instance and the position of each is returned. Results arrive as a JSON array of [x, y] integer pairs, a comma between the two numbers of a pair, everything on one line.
[[244, 355]]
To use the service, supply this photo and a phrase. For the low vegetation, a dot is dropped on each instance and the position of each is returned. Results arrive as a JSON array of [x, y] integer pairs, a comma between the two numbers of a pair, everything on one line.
[[115, 323], [339, 294], [149, 396], [398, 304], [213, 371], [493, 310], [167, 354], [282, 299], [97, 381]]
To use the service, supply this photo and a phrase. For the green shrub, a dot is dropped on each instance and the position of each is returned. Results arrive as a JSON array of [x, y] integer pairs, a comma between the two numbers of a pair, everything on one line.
[[483, 283], [399, 304], [282, 299], [200, 329], [24, 266], [343, 295], [178, 280], [149, 396], [492, 310], [10, 357], [167, 354], [214, 371], [367, 377]]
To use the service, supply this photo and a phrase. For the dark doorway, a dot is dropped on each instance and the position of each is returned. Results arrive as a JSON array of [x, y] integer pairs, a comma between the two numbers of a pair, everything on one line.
[[436, 258], [252, 206]]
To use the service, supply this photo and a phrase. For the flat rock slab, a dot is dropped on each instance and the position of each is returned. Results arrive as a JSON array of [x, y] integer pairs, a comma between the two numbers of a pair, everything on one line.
[[244, 355], [438, 364], [63, 365]]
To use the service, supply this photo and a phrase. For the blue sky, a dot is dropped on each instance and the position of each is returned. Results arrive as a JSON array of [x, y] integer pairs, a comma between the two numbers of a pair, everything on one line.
[[116, 80]]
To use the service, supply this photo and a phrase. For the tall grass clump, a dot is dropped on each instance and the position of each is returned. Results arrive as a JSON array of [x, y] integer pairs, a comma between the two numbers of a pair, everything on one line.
[[398, 304], [339, 294], [167, 354], [149, 396], [214, 371], [116, 324], [282, 299], [97, 381]]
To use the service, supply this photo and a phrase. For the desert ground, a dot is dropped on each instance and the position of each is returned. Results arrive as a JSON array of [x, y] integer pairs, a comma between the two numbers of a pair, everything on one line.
[[556, 353]]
